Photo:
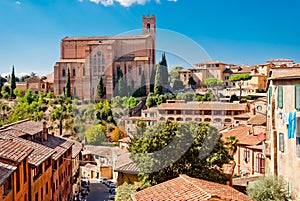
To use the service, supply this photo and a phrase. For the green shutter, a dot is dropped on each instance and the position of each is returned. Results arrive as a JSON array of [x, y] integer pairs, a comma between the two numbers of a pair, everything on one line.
[[280, 97], [297, 97], [269, 95]]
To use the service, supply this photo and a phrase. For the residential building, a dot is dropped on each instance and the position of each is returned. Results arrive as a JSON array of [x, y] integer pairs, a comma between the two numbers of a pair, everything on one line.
[[188, 188], [128, 173], [76, 161], [248, 157], [283, 126], [50, 166], [89, 58], [14, 174]]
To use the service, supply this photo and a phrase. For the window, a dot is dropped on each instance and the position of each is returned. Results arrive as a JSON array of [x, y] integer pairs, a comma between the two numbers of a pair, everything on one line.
[[99, 69], [260, 163], [298, 146], [259, 108], [103, 69], [94, 69], [207, 120], [269, 95], [83, 72], [148, 28], [75, 91], [280, 97], [47, 190], [64, 73], [246, 155], [297, 97], [140, 70], [103, 60], [74, 72], [42, 193], [281, 142], [37, 197]]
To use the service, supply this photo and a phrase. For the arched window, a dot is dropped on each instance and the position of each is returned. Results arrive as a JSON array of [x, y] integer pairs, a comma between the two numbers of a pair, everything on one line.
[[246, 155], [207, 119], [43, 86], [162, 119], [227, 120], [260, 163], [198, 119], [171, 118], [188, 119], [148, 27], [179, 119], [74, 72], [217, 120], [64, 73], [103, 60]]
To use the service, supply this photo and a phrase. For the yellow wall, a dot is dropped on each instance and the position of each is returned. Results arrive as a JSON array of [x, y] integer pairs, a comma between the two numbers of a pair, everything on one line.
[[128, 178]]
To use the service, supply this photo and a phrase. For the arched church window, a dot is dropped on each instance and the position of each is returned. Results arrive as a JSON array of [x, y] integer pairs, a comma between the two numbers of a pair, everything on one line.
[[148, 28], [103, 60], [64, 73]]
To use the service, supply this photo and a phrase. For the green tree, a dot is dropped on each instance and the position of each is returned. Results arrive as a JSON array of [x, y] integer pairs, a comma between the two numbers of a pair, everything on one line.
[[152, 79], [174, 73], [191, 82], [18, 92], [100, 88], [158, 88], [1, 85], [269, 188], [214, 84], [124, 191], [5, 91], [231, 144], [12, 83], [164, 70], [184, 142], [151, 100], [240, 79], [95, 135], [143, 85], [68, 85], [177, 85]]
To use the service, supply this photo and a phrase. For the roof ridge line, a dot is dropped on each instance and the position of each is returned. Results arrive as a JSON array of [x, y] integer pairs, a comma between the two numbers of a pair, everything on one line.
[[185, 179]]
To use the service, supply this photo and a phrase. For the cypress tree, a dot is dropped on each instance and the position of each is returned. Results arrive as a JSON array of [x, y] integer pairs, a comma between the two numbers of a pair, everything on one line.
[[157, 84], [152, 79], [12, 83], [143, 89], [1, 84], [164, 70], [68, 85], [100, 88]]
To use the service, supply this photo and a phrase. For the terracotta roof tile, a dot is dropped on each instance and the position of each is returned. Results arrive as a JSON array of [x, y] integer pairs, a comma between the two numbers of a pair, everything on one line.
[[187, 188], [59, 145], [26, 126], [130, 168], [244, 135], [40, 152], [6, 171], [13, 151], [76, 147]]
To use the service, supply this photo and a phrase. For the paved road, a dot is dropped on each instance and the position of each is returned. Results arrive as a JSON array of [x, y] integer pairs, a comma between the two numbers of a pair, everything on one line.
[[98, 192]]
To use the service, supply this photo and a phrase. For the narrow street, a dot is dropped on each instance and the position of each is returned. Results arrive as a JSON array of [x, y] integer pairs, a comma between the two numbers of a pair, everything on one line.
[[98, 191]]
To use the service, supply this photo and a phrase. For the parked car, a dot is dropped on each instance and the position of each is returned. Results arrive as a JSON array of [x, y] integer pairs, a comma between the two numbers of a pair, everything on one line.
[[83, 183], [112, 195], [104, 181]]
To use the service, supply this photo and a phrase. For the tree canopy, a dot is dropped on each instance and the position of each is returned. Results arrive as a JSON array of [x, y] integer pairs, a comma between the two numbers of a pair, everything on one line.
[[12, 83], [191, 82], [269, 188], [214, 84], [174, 73], [95, 135], [171, 148], [240, 79]]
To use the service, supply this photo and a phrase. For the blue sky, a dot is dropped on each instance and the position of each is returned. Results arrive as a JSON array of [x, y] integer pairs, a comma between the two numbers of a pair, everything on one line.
[[232, 31]]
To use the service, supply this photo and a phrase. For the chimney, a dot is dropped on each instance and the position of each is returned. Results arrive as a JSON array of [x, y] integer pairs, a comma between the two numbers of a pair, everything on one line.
[[45, 131]]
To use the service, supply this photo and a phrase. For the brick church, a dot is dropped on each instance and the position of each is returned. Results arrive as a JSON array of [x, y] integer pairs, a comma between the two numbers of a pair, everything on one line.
[[89, 58]]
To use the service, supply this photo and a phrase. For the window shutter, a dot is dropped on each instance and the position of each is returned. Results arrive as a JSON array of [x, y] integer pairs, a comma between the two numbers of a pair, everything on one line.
[[269, 95], [297, 97], [281, 142], [280, 97]]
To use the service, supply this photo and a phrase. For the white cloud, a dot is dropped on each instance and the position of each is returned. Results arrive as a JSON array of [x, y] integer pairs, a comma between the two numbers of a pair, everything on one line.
[[173, 1], [125, 3], [18, 2], [80, 0]]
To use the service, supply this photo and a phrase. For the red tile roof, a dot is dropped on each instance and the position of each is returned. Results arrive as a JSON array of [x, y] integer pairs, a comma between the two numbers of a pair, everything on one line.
[[258, 119], [129, 168], [244, 134], [13, 151], [26, 126], [187, 188]]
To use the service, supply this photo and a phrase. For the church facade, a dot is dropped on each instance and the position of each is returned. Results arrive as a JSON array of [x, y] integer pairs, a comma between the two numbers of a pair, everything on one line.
[[89, 58]]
